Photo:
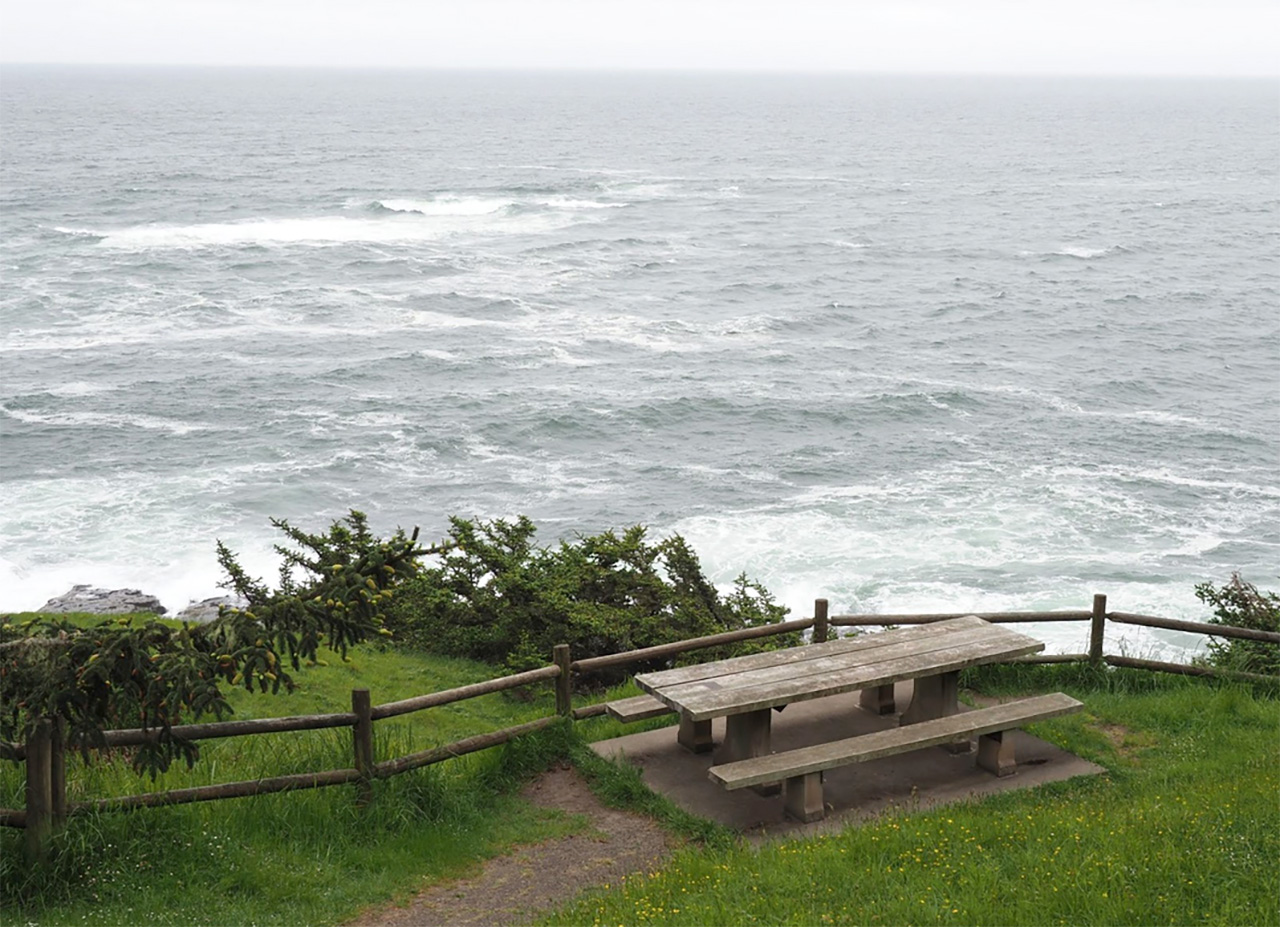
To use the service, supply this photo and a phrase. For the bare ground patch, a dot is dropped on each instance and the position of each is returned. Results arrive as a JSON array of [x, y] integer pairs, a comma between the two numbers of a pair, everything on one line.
[[517, 888]]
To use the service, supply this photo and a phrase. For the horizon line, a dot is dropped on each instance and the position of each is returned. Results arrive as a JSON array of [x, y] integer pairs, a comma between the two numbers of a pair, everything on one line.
[[650, 69]]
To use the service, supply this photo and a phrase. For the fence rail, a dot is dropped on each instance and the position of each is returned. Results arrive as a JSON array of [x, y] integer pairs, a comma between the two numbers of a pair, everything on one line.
[[994, 617], [44, 752]]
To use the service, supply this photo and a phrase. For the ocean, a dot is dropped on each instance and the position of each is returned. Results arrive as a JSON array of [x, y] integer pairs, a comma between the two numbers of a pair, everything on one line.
[[908, 344]]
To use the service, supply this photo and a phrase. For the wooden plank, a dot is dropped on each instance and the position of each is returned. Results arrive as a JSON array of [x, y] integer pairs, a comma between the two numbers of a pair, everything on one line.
[[896, 740], [697, 643], [419, 702], [216, 792], [1195, 627], [706, 702], [717, 704], [637, 709], [790, 655], [460, 747], [132, 737], [1184, 669], [856, 621], [978, 639]]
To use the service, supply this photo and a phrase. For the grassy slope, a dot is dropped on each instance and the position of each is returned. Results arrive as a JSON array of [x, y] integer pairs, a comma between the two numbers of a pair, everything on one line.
[[304, 857], [1184, 829]]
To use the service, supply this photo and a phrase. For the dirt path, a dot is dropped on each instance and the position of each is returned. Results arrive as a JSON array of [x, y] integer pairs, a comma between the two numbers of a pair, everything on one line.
[[517, 888]]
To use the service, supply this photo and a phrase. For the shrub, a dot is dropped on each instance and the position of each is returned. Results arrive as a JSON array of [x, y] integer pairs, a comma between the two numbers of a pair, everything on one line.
[[1240, 604], [496, 596], [155, 676]]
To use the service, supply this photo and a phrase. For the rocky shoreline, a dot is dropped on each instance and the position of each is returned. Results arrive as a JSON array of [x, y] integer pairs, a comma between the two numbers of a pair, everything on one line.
[[92, 600]]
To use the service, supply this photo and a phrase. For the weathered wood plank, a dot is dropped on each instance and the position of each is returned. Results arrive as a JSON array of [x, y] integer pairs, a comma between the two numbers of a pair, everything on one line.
[[1195, 627], [718, 704], [225, 790], [1183, 669], [857, 621], [459, 748], [814, 662], [887, 743], [697, 643], [862, 643], [132, 737], [637, 709], [747, 692], [434, 699]]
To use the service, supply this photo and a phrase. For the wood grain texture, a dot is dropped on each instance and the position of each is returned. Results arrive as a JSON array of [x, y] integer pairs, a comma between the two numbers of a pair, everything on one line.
[[886, 743], [790, 655], [637, 708], [743, 684]]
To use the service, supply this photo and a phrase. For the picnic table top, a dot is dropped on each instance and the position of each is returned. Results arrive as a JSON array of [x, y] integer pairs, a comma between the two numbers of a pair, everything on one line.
[[778, 677]]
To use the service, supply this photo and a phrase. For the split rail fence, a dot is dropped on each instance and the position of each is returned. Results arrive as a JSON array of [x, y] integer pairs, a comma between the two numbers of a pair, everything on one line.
[[47, 807]]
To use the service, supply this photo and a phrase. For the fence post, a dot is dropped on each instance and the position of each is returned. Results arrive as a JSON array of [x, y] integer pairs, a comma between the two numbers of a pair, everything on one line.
[[58, 774], [819, 621], [39, 790], [362, 739], [564, 684], [1096, 629]]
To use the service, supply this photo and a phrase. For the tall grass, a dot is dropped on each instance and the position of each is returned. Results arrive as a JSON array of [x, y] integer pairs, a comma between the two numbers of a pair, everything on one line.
[[309, 857]]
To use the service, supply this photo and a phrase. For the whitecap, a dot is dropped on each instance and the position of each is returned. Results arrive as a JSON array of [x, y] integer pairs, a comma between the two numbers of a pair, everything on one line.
[[107, 420], [400, 226]]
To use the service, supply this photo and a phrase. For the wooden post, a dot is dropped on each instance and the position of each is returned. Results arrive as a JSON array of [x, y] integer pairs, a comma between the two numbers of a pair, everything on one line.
[[564, 682], [39, 791], [362, 739], [1097, 628], [819, 621], [58, 774]]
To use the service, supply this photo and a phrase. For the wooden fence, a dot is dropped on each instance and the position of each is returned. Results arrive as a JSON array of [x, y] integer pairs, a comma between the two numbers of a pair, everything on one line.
[[44, 752]]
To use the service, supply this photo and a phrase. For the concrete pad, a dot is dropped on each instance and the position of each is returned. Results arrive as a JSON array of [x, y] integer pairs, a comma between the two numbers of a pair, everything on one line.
[[920, 779]]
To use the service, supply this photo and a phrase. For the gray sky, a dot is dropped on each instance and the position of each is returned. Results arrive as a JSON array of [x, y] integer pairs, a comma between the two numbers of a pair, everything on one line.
[[1173, 37]]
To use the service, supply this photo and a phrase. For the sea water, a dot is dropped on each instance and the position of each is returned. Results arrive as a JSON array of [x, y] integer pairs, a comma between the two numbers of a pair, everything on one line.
[[908, 344]]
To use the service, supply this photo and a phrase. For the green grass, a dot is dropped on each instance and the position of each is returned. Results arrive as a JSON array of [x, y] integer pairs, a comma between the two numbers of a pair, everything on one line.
[[1183, 829], [309, 857]]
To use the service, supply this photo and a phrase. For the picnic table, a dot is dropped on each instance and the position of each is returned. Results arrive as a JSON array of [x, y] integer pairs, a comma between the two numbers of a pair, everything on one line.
[[745, 690]]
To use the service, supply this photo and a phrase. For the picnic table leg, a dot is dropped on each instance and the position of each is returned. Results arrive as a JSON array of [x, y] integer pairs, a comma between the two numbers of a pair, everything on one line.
[[802, 798], [877, 700], [745, 736], [694, 736], [936, 697], [995, 753]]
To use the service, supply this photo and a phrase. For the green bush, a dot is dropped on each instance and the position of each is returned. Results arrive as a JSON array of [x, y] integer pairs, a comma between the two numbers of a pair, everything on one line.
[[1240, 604], [495, 595], [155, 676]]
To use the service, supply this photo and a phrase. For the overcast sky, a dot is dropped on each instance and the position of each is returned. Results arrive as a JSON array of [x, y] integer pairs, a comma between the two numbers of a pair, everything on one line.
[[1171, 37]]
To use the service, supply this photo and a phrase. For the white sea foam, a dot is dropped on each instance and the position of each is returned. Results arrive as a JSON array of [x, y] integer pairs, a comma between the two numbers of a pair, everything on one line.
[[107, 420], [433, 222], [1074, 251], [500, 338], [79, 388]]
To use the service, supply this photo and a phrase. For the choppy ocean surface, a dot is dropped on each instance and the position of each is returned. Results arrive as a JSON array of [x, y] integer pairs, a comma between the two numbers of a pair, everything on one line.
[[907, 344]]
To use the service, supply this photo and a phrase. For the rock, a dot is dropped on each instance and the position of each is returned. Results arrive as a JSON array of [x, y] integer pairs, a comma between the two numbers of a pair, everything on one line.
[[207, 609], [85, 598]]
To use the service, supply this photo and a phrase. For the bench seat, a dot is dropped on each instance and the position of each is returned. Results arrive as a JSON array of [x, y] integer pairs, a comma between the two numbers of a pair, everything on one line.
[[637, 709], [801, 769]]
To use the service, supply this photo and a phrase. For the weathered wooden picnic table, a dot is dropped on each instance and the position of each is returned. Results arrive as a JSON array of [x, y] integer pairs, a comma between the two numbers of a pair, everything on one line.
[[743, 690]]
